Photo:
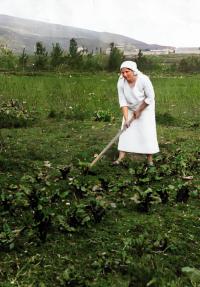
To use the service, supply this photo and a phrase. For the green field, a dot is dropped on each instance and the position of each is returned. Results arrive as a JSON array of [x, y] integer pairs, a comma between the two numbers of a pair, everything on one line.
[[124, 226]]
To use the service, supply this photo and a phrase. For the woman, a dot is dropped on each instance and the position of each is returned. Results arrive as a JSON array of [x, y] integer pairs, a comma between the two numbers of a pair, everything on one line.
[[136, 99]]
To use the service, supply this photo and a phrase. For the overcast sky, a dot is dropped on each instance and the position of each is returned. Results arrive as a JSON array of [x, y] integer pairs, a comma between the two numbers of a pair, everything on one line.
[[166, 22]]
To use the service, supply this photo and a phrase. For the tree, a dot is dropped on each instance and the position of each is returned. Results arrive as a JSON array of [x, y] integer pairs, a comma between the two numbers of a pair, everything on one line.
[[56, 55], [115, 58], [40, 56], [141, 61], [148, 63], [23, 58], [73, 48], [184, 65], [75, 57]]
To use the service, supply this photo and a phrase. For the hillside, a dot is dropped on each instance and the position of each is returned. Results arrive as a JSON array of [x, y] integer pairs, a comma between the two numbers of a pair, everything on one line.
[[18, 33]]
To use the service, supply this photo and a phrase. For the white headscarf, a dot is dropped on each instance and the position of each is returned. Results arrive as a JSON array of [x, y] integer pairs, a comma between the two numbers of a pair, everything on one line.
[[130, 65]]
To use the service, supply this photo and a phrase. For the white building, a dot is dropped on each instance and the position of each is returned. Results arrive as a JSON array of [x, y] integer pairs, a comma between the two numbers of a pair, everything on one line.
[[159, 52], [127, 50], [195, 50]]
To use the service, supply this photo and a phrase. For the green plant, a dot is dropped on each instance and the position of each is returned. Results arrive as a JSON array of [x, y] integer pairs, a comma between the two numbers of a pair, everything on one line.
[[112, 244], [103, 116], [14, 113], [193, 274], [144, 199], [56, 55], [23, 59], [40, 56], [8, 236], [74, 58], [8, 60], [115, 58]]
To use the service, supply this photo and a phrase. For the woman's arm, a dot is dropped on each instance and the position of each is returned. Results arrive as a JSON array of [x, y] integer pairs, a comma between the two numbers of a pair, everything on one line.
[[149, 97], [125, 113], [148, 91], [127, 121], [139, 110], [121, 96]]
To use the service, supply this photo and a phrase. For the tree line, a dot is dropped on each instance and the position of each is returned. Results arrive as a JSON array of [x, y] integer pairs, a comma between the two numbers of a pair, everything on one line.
[[81, 60], [59, 59]]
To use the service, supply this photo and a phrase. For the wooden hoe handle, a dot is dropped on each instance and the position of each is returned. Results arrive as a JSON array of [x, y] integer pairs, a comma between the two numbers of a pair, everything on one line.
[[109, 144]]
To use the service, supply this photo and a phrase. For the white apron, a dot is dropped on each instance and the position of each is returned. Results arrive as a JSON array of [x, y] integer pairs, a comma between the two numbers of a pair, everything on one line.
[[141, 136]]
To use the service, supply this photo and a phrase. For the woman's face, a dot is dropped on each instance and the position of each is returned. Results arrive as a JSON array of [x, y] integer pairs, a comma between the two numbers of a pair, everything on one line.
[[128, 74]]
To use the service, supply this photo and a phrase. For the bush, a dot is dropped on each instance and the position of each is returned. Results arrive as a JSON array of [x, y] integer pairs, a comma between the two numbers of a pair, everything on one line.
[[94, 62], [115, 59], [190, 64], [8, 60], [148, 63], [103, 116], [14, 114]]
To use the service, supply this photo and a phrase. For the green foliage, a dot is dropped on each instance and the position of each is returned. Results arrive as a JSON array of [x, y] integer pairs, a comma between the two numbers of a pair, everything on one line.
[[145, 198], [140, 60], [61, 61], [75, 58], [15, 114], [76, 112], [103, 116], [23, 59], [166, 119], [8, 237], [65, 225], [8, 60], [190, 64], [115, 58], [41, 59], [83, 214], [93, 62], [56, 55], [149, 63], [1, 142], [71, 277], [73, 48], [193, 274]]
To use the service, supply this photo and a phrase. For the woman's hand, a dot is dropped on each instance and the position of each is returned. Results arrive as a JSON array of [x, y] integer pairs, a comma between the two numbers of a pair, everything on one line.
[[137, 114], [127, 124], [139, 110]]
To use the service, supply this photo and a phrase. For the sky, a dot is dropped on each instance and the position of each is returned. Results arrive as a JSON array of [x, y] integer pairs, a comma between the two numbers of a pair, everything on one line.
[[165, 22]]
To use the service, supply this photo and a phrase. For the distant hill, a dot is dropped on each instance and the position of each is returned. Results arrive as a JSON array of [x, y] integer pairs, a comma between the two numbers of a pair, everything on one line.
[[18, 33]]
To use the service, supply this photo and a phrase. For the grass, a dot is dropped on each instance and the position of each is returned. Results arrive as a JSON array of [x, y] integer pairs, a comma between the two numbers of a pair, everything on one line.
[[127, 247], [86, 94]]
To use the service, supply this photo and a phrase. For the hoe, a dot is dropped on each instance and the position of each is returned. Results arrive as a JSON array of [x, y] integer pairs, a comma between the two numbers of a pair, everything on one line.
[[99, 156]]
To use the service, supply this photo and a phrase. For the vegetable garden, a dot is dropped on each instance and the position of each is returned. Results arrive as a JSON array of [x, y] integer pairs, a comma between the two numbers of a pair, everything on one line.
[[64, 225]]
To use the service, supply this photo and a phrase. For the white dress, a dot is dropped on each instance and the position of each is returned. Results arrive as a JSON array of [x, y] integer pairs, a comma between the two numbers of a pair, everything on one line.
[[141, 136]]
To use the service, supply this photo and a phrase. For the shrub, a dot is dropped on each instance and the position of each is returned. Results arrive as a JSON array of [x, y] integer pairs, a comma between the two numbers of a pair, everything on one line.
[[115, 58], [14, 114], [8, 60], [190, 64], [103, 116]]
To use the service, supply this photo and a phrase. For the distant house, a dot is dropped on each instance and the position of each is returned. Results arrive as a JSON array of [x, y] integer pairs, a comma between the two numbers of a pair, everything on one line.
[[127, 49], [195, 50], [82, 50], [159, 51]]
